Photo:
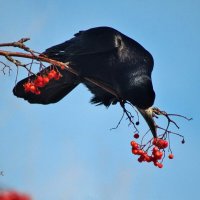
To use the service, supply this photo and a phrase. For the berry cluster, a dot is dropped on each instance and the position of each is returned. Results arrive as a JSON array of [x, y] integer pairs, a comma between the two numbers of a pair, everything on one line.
[[13, 195], [41, 81], [156, 148]]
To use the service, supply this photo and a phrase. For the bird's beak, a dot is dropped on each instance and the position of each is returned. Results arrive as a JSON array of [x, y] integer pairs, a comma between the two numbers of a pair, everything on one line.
[[148, 116]]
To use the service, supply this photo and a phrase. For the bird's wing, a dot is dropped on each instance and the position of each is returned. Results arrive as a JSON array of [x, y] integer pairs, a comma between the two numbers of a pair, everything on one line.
[[53, 92]]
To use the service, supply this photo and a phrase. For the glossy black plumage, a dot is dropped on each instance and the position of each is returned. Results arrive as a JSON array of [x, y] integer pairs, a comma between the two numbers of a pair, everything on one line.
[[103, 54]]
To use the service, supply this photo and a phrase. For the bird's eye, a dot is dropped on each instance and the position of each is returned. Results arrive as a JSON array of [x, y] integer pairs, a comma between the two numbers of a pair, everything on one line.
[[119, 42]]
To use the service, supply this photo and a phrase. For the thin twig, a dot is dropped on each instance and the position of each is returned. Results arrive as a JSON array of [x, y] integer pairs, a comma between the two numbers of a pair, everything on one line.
[[5, 67], [128, 114], [118, 122]]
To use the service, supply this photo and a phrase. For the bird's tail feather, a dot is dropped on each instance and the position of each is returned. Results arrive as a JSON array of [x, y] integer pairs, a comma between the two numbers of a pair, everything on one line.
[[52, 92]]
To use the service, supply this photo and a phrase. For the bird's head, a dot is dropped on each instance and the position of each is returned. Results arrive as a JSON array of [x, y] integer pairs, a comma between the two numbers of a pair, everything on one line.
[[141, 93], [142, 96]]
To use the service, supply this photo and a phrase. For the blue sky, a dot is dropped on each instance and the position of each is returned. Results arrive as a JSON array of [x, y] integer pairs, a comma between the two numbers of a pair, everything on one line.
[[66, 150]]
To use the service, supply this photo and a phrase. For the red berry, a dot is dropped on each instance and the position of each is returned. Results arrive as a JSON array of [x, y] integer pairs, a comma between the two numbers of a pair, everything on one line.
[[39, 81], [134, 145], [158, 155], [57, 76], [160, 165], [136, 136], [146, 157], [53, 71], [171, 156], [39, 84], [155, 149], [39, 78], [140, 152], [50, 75], [160, 143], [149, 158], [63, 67], [134, 151], [32, 88], [155, 163], [165, 144], [45, 79], [37, 92], [27, 87]]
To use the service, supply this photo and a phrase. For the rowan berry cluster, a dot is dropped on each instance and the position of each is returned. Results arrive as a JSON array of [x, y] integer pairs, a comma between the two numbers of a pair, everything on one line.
[[41, 81], [156, 149], [13, 195]]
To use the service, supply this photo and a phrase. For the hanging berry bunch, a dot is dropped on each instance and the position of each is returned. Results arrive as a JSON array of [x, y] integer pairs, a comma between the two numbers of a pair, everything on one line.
[[154, 153], [155, 149], [41, 81], [152, 150]]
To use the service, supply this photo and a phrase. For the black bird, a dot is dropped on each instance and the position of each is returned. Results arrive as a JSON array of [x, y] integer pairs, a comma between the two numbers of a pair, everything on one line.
[[105, 55]]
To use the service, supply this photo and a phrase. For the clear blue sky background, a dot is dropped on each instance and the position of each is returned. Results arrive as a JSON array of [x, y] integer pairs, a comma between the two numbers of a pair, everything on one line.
[[66, 151]]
